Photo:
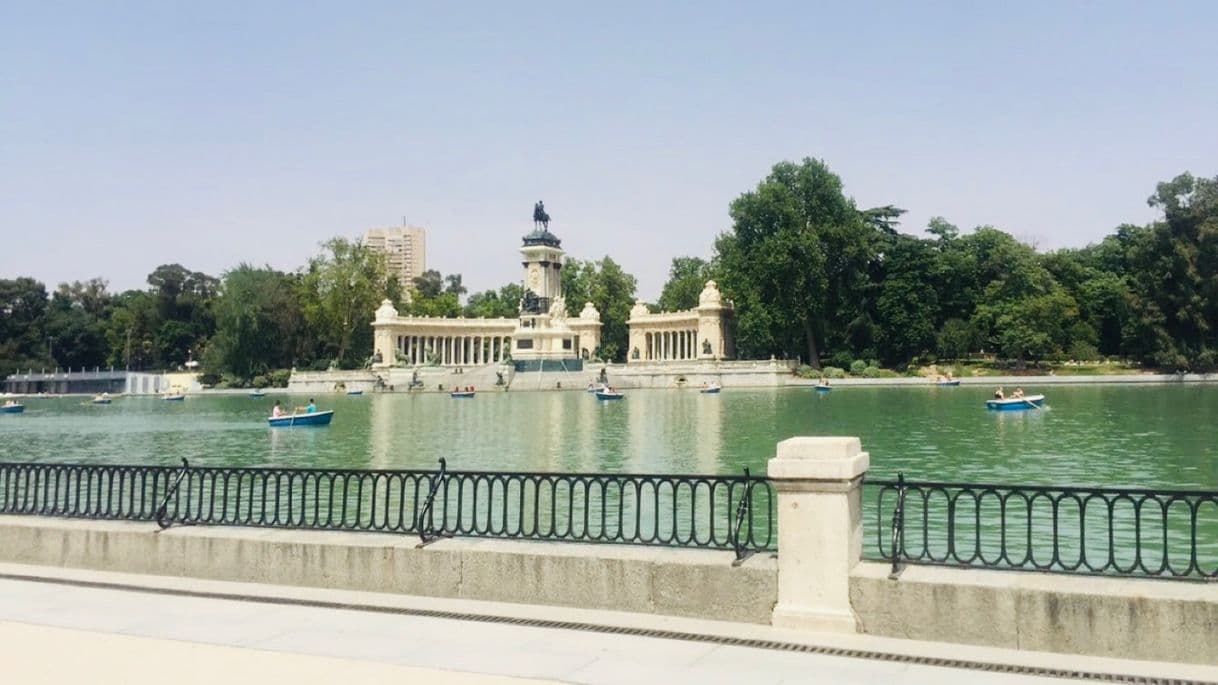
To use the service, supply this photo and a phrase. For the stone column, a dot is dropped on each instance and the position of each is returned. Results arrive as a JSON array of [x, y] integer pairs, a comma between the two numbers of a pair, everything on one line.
[[820, 530]]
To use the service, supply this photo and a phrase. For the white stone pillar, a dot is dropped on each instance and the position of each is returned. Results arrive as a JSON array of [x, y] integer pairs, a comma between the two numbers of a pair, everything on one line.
[[820, 530]]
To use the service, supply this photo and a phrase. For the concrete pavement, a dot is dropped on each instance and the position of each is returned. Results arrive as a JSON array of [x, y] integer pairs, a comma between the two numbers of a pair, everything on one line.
[[59, 631]]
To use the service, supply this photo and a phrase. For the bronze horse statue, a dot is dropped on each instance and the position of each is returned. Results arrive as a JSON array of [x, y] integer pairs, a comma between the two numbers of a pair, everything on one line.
[[540, 218]]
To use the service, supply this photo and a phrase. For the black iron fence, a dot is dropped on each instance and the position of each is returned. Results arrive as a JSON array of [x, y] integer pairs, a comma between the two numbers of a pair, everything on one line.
[[1106, 531], [716, 512]]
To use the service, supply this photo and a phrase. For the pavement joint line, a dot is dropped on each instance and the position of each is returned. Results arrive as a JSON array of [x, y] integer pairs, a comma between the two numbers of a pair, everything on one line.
[[756, 643]]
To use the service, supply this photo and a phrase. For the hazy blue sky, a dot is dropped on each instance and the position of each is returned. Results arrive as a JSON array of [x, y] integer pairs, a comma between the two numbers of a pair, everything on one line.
[[209, 133]]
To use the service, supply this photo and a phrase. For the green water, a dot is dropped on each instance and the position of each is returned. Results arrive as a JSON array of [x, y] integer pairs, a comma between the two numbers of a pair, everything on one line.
[[1135, 436]]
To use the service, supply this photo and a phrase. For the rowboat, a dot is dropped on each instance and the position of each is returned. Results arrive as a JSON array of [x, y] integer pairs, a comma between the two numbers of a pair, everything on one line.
[[257, 394], [176, 397], [608, 395], [595, 388], [823, 388], [317, 418], [947, 384], [101, 399], [711, 390], [12, 409], [1016, 403], [462, 394], [355, 393]]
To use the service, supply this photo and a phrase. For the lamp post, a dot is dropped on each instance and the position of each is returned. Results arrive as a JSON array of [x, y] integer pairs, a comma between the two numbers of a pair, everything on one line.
[[51, 347]]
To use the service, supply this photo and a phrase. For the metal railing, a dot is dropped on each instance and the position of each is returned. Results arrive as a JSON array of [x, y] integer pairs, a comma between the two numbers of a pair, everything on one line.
[[1103, 531], [733, 513]]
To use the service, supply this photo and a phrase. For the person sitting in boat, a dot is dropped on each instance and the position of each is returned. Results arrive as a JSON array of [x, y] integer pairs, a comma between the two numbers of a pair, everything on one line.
[[310, 407], [277, 410], [10, 403], [824, 382], [1018, 394], [998, 394]]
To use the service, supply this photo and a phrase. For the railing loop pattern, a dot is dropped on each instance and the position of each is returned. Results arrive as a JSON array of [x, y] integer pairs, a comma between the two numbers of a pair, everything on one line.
[[1104, 531], [639, 509]]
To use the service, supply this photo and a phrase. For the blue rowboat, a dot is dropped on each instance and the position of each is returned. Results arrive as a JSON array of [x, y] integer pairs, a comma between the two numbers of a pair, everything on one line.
[[12, 409], [317, 418], [607, 395], [712, 390], [947, 384], [257, 394], [462, 395], [823, 388], [174, 398], [355, 393], [1016, 403]]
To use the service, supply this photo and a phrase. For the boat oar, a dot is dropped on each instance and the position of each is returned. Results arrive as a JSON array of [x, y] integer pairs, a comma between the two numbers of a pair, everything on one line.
[[1030, 403]]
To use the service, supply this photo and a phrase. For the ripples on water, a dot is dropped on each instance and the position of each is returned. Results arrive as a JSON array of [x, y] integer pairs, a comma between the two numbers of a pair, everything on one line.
[[1134, 436]]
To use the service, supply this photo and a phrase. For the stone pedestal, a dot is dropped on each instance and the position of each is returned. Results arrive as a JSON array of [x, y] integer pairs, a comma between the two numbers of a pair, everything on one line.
[[820, 530]]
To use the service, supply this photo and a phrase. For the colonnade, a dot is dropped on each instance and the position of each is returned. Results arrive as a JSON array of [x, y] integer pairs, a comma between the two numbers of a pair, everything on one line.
[[454, 350], [675, 345]]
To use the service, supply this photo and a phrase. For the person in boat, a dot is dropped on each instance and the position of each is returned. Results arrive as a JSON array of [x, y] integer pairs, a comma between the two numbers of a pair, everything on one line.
[[824, 382], [1018, 394], [998, 394], [10, 403], [277, 410], [310, 407]]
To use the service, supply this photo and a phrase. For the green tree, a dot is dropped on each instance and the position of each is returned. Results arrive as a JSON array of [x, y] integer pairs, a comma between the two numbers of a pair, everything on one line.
[[341, 289], [258, 323], [908, 306], [430, 284], [493, 305], [686, 278], [611, 290], [794, 261]]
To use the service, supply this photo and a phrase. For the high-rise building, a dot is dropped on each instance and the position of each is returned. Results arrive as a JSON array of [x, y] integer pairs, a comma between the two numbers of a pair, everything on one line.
[[405, 248]]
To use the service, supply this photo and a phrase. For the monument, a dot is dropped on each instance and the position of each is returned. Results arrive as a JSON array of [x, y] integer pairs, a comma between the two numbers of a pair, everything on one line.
[[547, 338], [543, 337]]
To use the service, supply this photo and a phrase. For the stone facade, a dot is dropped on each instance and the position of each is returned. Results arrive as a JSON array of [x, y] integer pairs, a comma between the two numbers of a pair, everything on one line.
[[702, 333], [544, 336]]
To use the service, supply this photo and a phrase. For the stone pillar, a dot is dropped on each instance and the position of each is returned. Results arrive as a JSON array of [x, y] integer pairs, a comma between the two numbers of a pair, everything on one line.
[[820, 530]]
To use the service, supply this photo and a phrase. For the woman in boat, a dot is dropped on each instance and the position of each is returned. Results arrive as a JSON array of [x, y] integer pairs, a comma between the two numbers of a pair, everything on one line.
[[824, 382], [276, 411], [1018, 394], [998, 394]]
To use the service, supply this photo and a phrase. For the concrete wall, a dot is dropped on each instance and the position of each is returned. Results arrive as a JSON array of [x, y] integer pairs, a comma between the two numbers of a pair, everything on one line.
[[1157, 620], [676, 582], [321, 382]]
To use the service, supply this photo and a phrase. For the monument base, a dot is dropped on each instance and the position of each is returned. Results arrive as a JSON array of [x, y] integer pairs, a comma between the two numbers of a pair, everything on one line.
[[527, 365]]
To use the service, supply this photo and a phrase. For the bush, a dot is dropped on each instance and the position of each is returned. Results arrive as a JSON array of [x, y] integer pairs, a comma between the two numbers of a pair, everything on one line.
[[841, 359], [228, 380], [1084, 352], [872, 372], [280, 378], [209, 379], [260, 381], [858, 367], [805, 371], [833, 372], [319, 365]]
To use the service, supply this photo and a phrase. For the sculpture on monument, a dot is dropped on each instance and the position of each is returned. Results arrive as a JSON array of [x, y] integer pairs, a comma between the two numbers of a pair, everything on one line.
[[540, 218], [558, 308]]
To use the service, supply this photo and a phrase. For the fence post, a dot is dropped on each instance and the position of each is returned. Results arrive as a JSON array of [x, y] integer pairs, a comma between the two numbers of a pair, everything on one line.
[[820, 530]]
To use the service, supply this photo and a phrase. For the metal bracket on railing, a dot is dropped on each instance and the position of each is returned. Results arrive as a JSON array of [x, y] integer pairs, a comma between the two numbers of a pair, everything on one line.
[[897, 541], [173, 489], [743, 509], [426, 521]]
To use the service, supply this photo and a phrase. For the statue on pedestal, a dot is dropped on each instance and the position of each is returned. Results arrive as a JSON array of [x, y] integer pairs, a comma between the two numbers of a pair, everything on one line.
[[540, 218]]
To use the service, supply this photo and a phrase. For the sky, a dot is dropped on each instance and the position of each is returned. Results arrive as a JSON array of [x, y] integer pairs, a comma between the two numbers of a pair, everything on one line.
[[213, 133]]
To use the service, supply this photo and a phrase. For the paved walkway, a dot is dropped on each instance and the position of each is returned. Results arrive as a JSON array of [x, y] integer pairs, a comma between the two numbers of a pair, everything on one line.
[[53, 633]]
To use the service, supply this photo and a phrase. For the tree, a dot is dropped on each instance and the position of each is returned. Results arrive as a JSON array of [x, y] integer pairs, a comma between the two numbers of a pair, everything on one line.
[[493, 305], [452, 284], [908, 306], [611, 290], [258, 323], [430, 284], [793, 260], [686, 278], [341, 289]]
